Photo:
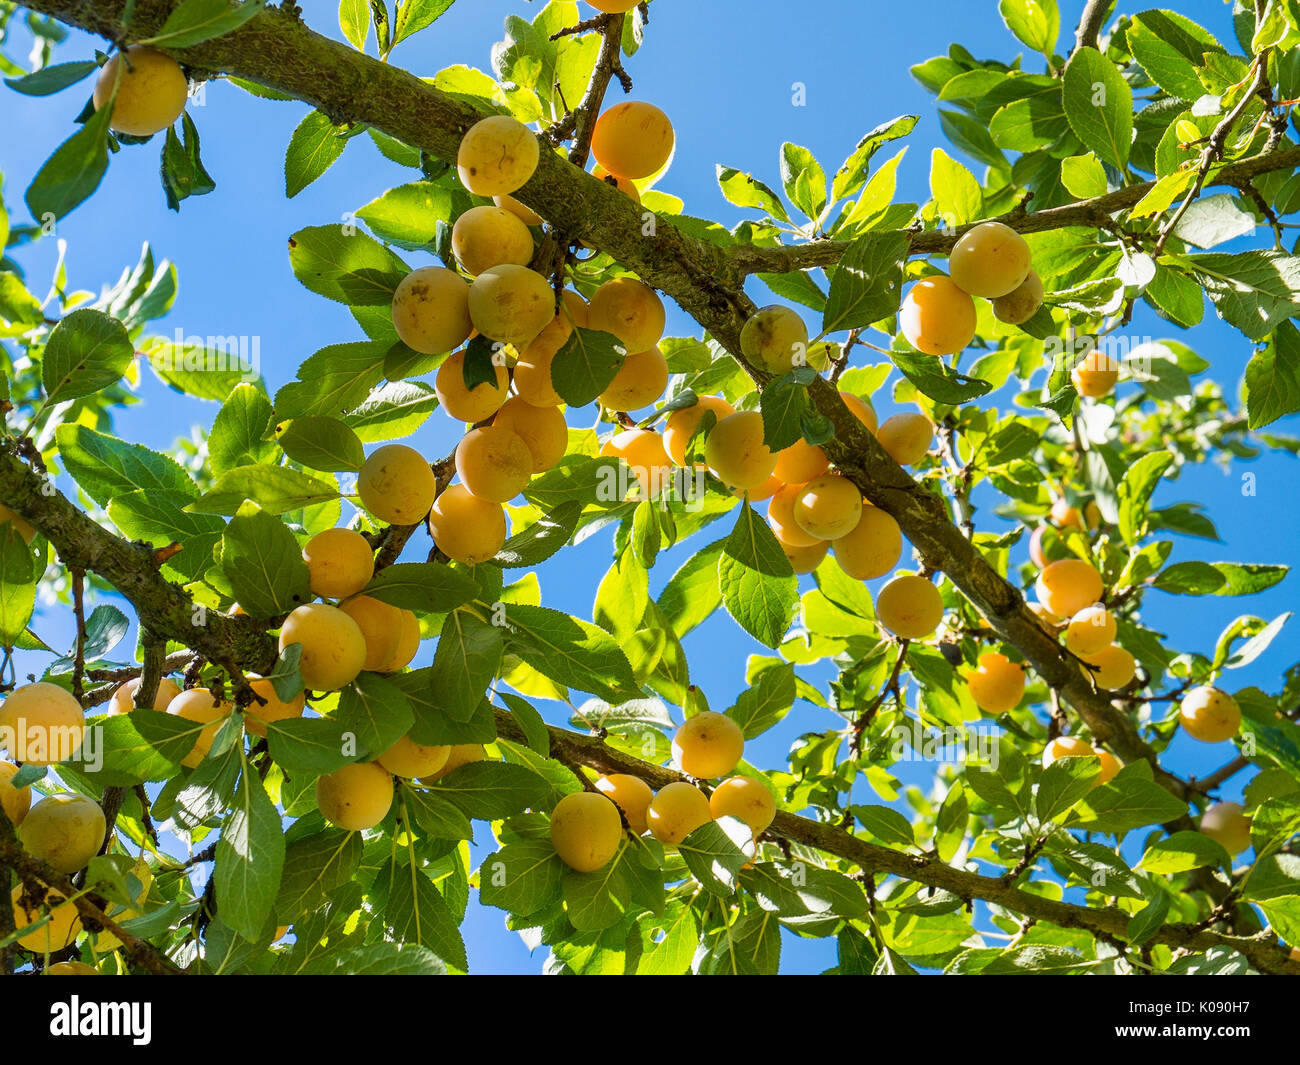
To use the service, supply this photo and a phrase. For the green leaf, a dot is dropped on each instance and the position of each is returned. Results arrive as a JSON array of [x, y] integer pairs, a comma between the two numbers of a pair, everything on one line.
[[354, 22], [425, 587], [759, 588], [867, 285], [196, 21], [409, 214], [336, 378], [933, 378], [1148, 920], [1030, 123], [276, 489], [17, 585], [73, 172], [783, 404], [1273, 378], [250, 859], [1041, 959], [884, 824], [1131, 800], [571, 652], [314, 147], [437, 818], [585, 365], [1063, 784], [308, 744], [1099, 105], [378, 959], [376, 710], [465, 663], [764, 704], [693, 593], [417, 913], [1218, 578], [576, 477], [1134, 493], [86, 352], [1035, 23], [489, 791], [314, 867], [52, 79], [714, 856], [350, 268], [522, 878], [393, 412], [1182, 851], [321, 443], [1083, 176], [416, 15], [852, 175], [956, 192], [1170, 48], [105, 467], [263, 563], [745, 190], [239, 430], [543, 538], [803, 179], [595, 901], [1255, 291]]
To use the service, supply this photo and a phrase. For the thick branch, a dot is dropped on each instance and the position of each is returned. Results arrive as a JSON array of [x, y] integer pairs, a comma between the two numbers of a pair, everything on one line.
[[1095, 13], [1112, 923]]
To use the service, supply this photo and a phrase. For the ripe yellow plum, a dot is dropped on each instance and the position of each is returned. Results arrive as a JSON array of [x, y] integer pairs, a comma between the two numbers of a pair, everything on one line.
[[630, 310], [1091, 630], [1227, 823], [201, 706], [736, 453], [830, 506], [639, 382], [258, 715], [380, 624], [469, 405], [333, 646], [1021, 303], [1112, 667], [991, 260], [613, 7], [59, 932], [497, 156], [1067, 586], [1095, 375], [682, 424], [800, 463], [65, 830], [872, 547], [937, 317], [862, 410], [533, 367], [803, 559], [630, 794], [484, 237], [526, 215], [340, 562], [42, 724], [151, 95], [1209, 715], [708, 745], [632, 139], [775, 338], [997, 683], [907, 437], [511, 304], [356, 797], [494, 463], [1066, 747], [15, 801], [461, 754], [465, 527], [910, 607], [643, 451], [409, 759], [396, 484], [542, 429], [586, 830], [408, 642], [431, 310], [1066, 516], [71, 968], [123, 700], [574, 310], [780, 515], [676, 811], [746, 799], [624, 185]]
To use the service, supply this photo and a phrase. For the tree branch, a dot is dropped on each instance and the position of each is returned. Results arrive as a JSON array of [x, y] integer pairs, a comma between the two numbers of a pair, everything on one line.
[[1095, 13]]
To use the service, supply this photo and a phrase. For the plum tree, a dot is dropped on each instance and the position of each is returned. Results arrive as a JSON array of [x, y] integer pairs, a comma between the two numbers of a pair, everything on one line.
[[408, 759], [396, 484], [203, 707], [65, 830], [937, 317], [676, 811], [800, 463], [746, 799], [1227, 823], [497, 156], [1209, 714], [682, 424], [997, 684], [736, 452], [14, 801], [632, 139], [910, 607], [630, 794], [1089, 631], [780, 515], [639, 382], [1067, 586], [1095, 375], [333, 646], [470, 404], [123, 700], [431, 310], [543, 430], [586, 830], [1021, 303], [381, 626], [990, 260], [484, 237], [630, 310], [511, 304], [494, 463], [465, 527], [643, 451], [708, 745], [828, 507], [340, 562], [57, 933], [42, 724], [906, 437], [872, 547], [776, 338], [356, 797], [151, 91], [257, 715]]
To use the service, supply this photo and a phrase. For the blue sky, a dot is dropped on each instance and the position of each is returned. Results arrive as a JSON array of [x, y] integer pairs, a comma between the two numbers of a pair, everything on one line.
[[726, 74]]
